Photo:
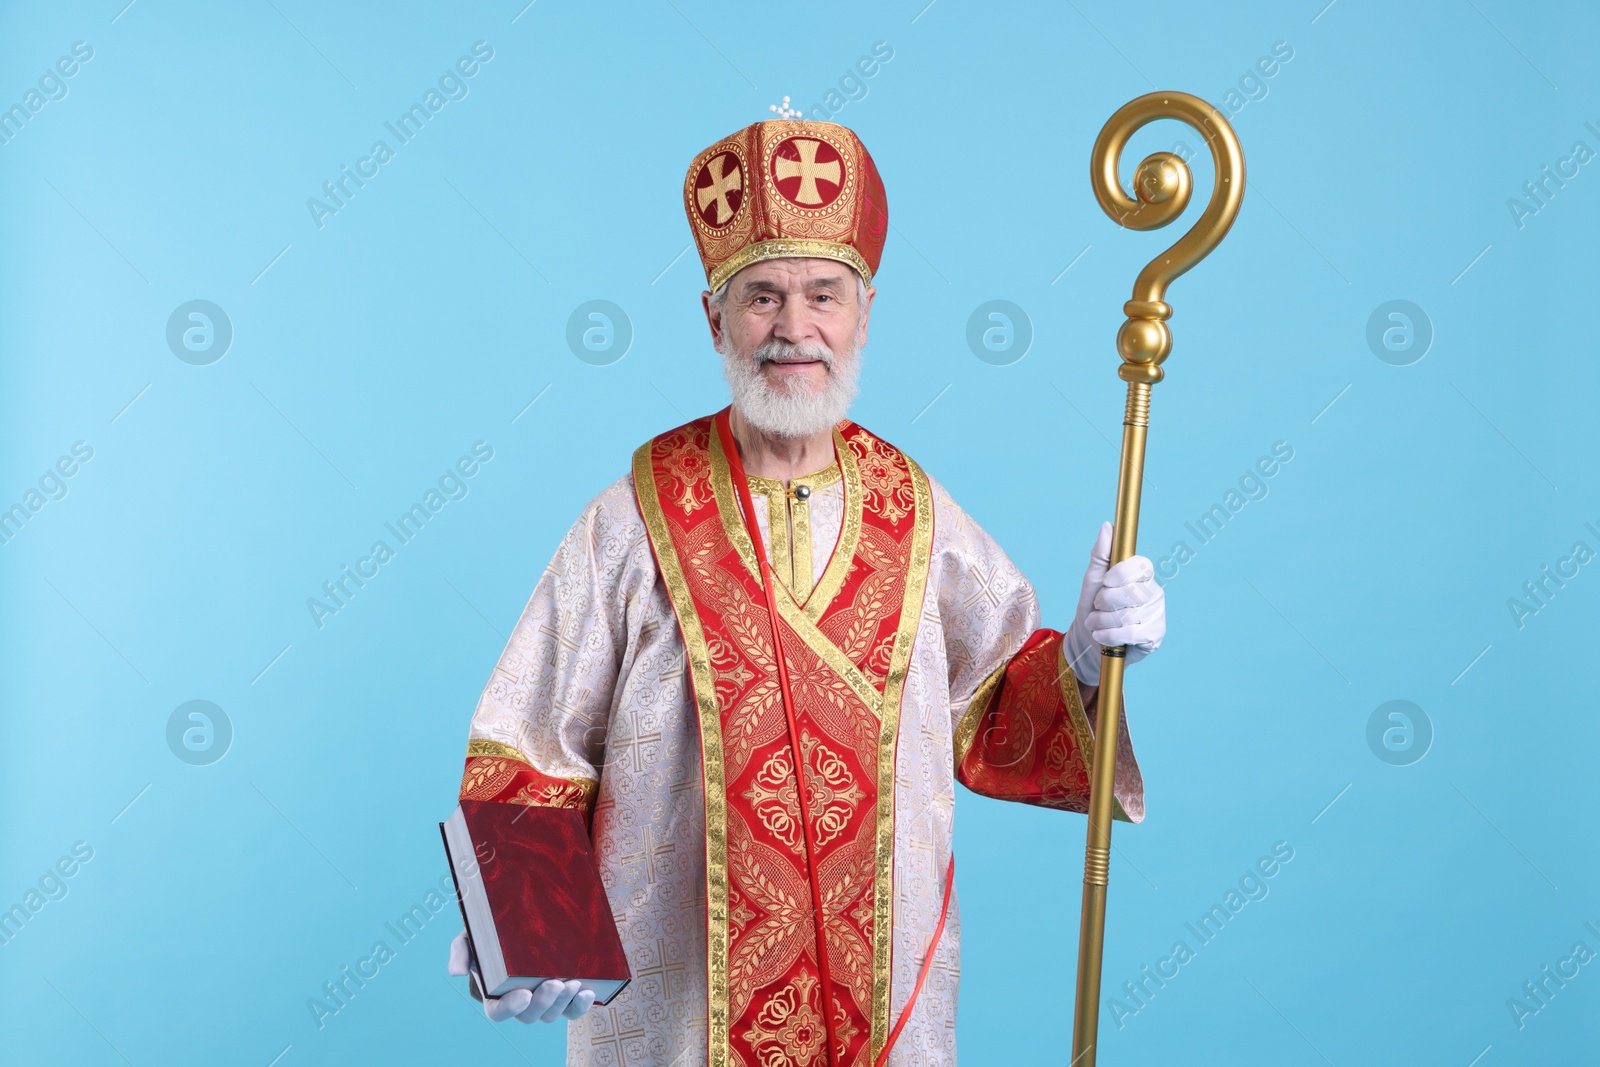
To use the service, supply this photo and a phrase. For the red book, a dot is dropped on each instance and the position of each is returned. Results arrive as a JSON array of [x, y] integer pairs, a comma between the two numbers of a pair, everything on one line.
[[531, 898]]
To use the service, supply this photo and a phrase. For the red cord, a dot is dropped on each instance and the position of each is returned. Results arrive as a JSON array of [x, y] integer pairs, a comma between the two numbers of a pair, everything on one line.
[[736, 469]]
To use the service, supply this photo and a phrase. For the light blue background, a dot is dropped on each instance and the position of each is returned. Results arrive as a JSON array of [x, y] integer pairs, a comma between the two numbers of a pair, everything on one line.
[[426, 315]]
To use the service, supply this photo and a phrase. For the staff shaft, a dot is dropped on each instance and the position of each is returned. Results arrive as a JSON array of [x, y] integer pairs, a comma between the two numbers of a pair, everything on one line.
[[1162, 184], [1097, 854]]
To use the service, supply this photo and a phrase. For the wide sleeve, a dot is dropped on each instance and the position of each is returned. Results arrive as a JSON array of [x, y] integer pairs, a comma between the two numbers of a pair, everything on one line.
[[1024, 727], [538, 735]]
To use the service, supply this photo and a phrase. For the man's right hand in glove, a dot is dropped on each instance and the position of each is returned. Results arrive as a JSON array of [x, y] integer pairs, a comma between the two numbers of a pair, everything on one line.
[[551, 1001]]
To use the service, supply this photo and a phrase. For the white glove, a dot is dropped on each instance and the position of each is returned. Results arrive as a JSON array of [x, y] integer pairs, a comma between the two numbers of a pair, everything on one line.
[[551, 1001], [1119, 605]]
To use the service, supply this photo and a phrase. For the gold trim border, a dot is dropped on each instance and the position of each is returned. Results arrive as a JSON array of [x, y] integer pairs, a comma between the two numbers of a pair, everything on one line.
[[816, 480], [779, 248], [838, 568], [844, 550], [1080, 728], [482, 746], [791, 549], [967, 729], [802, 568], [886, 705], [888, 743], [801, 621], [1068, 683], [778, 549], [700, 673]]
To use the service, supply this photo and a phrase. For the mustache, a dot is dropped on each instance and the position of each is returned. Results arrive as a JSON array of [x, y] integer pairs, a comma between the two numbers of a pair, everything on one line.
[[785, 352]]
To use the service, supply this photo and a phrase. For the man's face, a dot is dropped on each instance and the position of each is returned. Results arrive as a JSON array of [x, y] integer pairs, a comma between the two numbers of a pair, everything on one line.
[[800, 302]]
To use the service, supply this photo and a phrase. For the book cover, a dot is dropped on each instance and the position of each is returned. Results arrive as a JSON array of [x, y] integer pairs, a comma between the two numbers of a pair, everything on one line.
[[531, 898]]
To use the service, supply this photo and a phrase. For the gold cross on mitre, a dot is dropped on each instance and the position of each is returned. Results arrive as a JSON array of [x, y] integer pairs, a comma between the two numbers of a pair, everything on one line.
[[808, 170]]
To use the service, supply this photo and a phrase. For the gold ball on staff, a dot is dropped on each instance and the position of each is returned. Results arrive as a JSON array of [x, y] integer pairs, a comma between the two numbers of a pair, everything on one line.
[[1143, 344], [1163, 177]]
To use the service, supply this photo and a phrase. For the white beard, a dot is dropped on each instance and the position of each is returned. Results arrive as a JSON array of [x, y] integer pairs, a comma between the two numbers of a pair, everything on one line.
[[778, 411]]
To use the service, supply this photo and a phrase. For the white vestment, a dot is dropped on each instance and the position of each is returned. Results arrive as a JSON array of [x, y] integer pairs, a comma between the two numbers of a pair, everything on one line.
[[593, 685]]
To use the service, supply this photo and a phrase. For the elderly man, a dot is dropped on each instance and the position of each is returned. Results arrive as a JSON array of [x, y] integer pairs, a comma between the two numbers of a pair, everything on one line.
[[763, 659]]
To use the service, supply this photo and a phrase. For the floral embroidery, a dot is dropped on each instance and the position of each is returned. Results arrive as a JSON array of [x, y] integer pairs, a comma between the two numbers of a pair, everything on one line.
[[834, 794], [790, 1026], [511, 781], [550, 794], [689, 464], [885, 483], [779, 1012], [486, 776]]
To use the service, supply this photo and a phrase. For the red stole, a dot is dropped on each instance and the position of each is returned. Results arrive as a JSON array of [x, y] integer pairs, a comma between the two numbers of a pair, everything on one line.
[[846, 648]]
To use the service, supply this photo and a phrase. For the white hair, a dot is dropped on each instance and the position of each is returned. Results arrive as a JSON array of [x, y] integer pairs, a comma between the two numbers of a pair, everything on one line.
[[775, 410]]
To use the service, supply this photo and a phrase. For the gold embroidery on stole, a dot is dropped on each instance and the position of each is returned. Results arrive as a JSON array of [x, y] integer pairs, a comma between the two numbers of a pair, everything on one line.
[[899, 490]]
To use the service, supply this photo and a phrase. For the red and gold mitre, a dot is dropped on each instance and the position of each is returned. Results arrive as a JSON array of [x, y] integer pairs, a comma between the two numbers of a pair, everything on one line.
[[786, 187]]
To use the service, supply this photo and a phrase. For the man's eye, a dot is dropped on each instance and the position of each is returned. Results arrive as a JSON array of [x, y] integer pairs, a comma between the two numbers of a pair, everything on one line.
[[824, 297]]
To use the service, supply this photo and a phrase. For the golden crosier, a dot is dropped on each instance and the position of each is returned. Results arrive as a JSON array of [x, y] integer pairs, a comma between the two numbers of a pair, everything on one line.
[[1162, 185]]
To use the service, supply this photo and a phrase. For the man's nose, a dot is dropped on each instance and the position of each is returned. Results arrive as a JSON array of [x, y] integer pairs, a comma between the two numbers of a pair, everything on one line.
[[792, 324]]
